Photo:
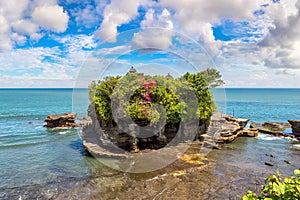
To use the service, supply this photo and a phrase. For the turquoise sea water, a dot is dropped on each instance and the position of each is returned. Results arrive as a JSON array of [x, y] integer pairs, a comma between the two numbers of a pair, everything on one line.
[[260, 105], [29, 153], [32, 155]]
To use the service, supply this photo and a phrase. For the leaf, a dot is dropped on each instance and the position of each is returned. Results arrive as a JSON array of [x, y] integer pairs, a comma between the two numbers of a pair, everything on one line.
[[297, 172]]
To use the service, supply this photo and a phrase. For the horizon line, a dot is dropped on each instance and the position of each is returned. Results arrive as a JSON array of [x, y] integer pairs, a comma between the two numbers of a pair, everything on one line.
[[5, 88]]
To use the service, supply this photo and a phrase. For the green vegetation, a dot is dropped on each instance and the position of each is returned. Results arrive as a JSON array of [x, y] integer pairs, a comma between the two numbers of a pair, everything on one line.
[[212, 77], [153, 98], [277, 188]]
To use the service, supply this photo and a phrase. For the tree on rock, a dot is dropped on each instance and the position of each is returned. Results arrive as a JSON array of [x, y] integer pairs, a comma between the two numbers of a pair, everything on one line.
[[212, 77]]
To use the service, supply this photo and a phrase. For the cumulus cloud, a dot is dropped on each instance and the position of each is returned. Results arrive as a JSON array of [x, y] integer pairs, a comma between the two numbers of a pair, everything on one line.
[[156, 32], [25, 27], [13, 10], [268, 40], [5, 43], [281, 46], [118, 12], [197, 17], [51, 17], [22, 19]]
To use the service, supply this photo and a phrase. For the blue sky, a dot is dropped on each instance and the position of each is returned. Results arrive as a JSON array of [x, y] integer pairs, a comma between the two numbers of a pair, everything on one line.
[[67, 43]]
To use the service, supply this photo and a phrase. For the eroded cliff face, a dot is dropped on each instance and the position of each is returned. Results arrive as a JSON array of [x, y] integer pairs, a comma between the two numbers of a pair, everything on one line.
[[134, 135]]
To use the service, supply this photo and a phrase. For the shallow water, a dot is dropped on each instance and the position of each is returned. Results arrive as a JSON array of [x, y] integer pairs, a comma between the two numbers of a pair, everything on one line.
[[228, 175]]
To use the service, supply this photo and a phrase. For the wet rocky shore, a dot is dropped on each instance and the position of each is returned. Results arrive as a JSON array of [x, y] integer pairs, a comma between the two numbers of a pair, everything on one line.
[[225, 174]]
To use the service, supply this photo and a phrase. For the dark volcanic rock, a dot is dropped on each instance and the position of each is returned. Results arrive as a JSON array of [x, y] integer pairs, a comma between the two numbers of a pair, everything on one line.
[[287, 162], [295, 127], [269, 164], [65, 120], [133, 135]]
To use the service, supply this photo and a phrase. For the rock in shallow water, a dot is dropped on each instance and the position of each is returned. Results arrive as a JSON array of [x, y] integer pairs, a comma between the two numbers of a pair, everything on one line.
[[65, 120], [274, 128], [295, 127], [269, 164]]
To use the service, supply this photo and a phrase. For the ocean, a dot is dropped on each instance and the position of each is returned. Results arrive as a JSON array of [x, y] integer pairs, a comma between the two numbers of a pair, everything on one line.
[[260, 105], [33, 157]]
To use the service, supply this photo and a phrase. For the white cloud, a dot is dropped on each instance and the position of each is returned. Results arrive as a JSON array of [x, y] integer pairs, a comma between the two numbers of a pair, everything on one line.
[[118, 12], [19, 39], [51, 17], [265, 46], [196, 17], [156, 32], [13, 10], [4, 27], [5, 42], [37, 67], [281, 46], [36, 36], [24, 19], [87, 17], [25, 27]]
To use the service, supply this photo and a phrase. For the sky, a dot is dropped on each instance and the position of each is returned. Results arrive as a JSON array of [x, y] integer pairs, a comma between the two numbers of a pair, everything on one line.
[[68, 43]]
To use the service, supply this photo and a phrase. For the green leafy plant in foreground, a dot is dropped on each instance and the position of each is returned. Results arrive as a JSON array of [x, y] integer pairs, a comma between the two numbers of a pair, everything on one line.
[[276, 188]]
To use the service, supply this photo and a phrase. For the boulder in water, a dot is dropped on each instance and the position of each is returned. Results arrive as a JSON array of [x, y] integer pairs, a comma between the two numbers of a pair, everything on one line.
[[269, 164], [274, 128], [295, 127], [65, 120]]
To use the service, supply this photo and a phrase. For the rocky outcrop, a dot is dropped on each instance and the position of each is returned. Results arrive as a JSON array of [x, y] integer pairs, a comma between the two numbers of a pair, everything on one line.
[[252, 132], [229, 132], [273, 128], [65, 120], [229, 128], [295, 127], [255, 125], [135, 135], [240, 121]]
